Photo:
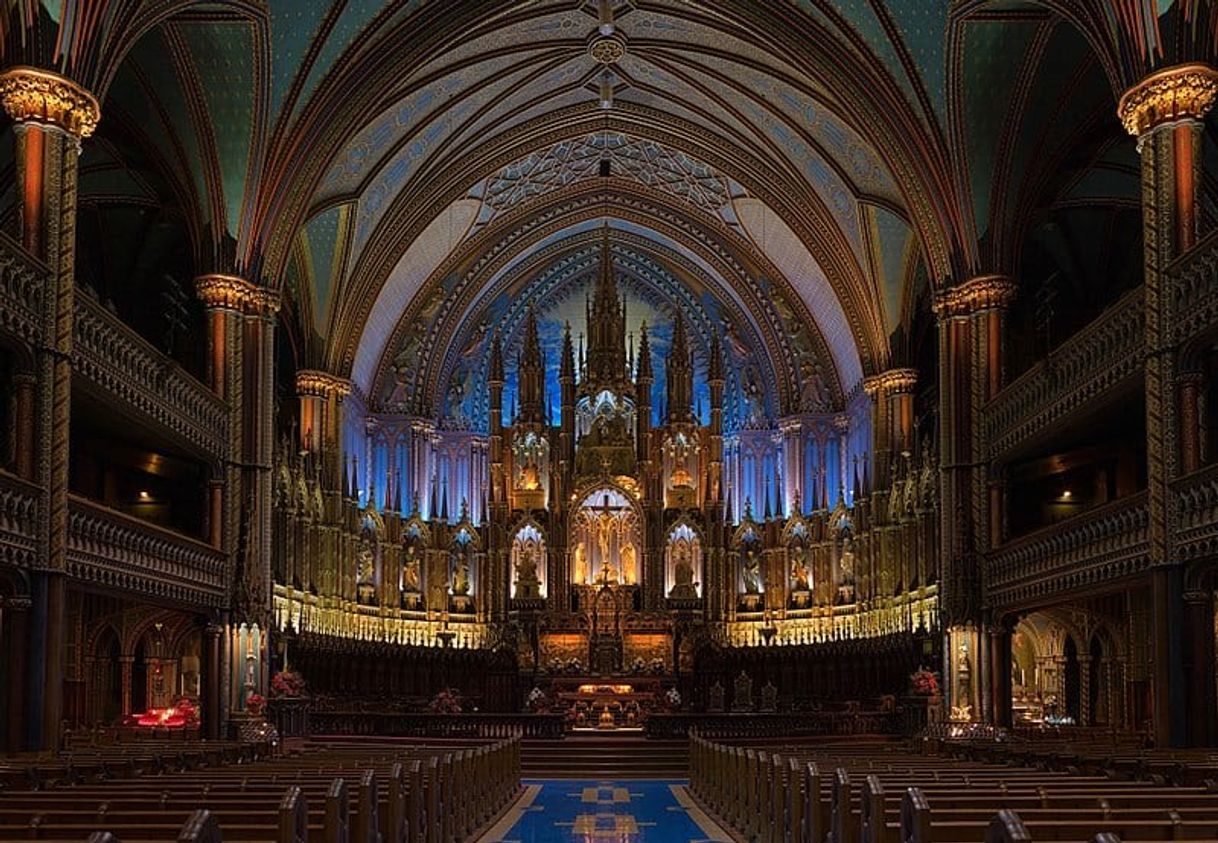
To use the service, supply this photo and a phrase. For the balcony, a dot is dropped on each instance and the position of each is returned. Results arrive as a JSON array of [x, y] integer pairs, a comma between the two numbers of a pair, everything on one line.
[[1089, 365], [18, 520], [1195, 291], [22, 280], [111, 549], [133, 375], [1196, 533], [1095, 547]]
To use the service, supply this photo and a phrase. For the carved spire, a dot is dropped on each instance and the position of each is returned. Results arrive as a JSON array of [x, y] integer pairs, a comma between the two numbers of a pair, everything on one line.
[[714, 366], [679, 369], [496, 367], [567, 363], [644, 366], [531, 374], [606, 317]]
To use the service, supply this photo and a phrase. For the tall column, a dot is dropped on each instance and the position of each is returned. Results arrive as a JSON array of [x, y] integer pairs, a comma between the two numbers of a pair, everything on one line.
[[51, 115], [212, 684], [891, 394], [970, 373], [241, 370], [1166, 112], [15, 612], [321, 398], [26, 442], [1191, 433]]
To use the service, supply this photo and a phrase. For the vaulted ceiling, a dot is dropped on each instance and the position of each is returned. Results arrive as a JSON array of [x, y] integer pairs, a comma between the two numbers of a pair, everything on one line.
[[816, 167]]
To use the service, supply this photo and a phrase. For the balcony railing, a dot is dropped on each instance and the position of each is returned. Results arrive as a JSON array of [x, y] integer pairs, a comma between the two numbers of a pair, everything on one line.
[[1093, 547], [1196, 533], [1195, 291], [18, 520], [1095, 360], [22, 281], [112, 549], [134, 374]]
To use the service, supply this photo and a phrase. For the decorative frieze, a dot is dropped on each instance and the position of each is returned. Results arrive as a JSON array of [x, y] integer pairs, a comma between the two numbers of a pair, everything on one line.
[[18, 521], [22, 282], [985, 292], [228, 292], [321, 384]]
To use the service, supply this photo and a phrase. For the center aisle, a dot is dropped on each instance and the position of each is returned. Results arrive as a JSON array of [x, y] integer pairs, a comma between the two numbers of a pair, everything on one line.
[[563, 810]]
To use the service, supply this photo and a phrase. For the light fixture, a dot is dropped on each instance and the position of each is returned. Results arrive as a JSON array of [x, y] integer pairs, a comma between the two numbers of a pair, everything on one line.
[[604, 14], [144, 496]]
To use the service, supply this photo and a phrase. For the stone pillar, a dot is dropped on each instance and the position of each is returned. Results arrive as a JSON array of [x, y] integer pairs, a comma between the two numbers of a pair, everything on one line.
[[51, 115], [971, 317], [1199, 667], [321, 427], [26, 442], [1166, 112], [1000, 673], [1191, 433], [212, 684], [241, 355], [891, 394], [15, 613]]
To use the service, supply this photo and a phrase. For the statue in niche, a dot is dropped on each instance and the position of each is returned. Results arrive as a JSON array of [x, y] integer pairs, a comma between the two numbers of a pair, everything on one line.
[[629, 565], [365, 587], [580, 564], [411, 580], [528, 586], [461, 574], [751, 572], [682, 573], [799, 569]]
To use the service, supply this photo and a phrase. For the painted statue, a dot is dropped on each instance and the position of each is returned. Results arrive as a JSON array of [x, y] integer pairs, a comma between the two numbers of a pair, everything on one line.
[[580, 565], [799, 571], [411, 581], [629, 565], [752, 572]]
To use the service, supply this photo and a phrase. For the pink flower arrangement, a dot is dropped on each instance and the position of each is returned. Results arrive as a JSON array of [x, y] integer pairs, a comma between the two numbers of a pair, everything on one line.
[[254, 703], [925, 682], [448, 701], [287, 683]]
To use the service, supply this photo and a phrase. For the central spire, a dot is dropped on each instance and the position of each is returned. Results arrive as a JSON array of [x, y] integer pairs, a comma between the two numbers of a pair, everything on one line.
[[606, 316]]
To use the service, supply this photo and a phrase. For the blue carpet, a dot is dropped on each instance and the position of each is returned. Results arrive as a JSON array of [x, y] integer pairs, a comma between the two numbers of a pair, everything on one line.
[[633, 811]]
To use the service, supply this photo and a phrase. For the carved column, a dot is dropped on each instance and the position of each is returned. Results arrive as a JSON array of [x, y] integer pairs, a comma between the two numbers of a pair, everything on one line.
[[26, 442], [15, 613], [211, 682], [51, 115], [1199, 667], [971, 317], [1191, 433], [1000, 672], [241, 341], [891, 394], [1166, 112], [321, 398]]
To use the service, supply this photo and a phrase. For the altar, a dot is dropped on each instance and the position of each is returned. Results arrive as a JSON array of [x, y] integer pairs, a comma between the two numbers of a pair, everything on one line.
[[592, 703]]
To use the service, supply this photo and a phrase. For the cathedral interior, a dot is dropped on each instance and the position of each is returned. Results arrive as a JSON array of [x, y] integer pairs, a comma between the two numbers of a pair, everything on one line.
[[650, 370]]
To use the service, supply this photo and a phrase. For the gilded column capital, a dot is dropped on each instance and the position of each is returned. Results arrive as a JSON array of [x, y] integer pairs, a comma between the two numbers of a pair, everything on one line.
[[1186, 91], [321, 384], [985, 292], [891, 381], [29, 93], [229, 292]]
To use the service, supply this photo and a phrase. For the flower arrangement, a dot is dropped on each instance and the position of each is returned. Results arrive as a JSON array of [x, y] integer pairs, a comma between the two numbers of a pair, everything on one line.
[[447, 701], [254, 703], [537, 701], [656, 666], [925, 682], [672, 699], [287, 683]]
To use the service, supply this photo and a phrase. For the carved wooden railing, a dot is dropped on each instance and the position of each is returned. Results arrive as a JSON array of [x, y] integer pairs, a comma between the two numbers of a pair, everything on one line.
[[1095, 360], [112, 549], [774, 724], [428, 725], [1195, 290], [1196, 535], [134, 374], [18, 520], [1093, 547], [22, 280]]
